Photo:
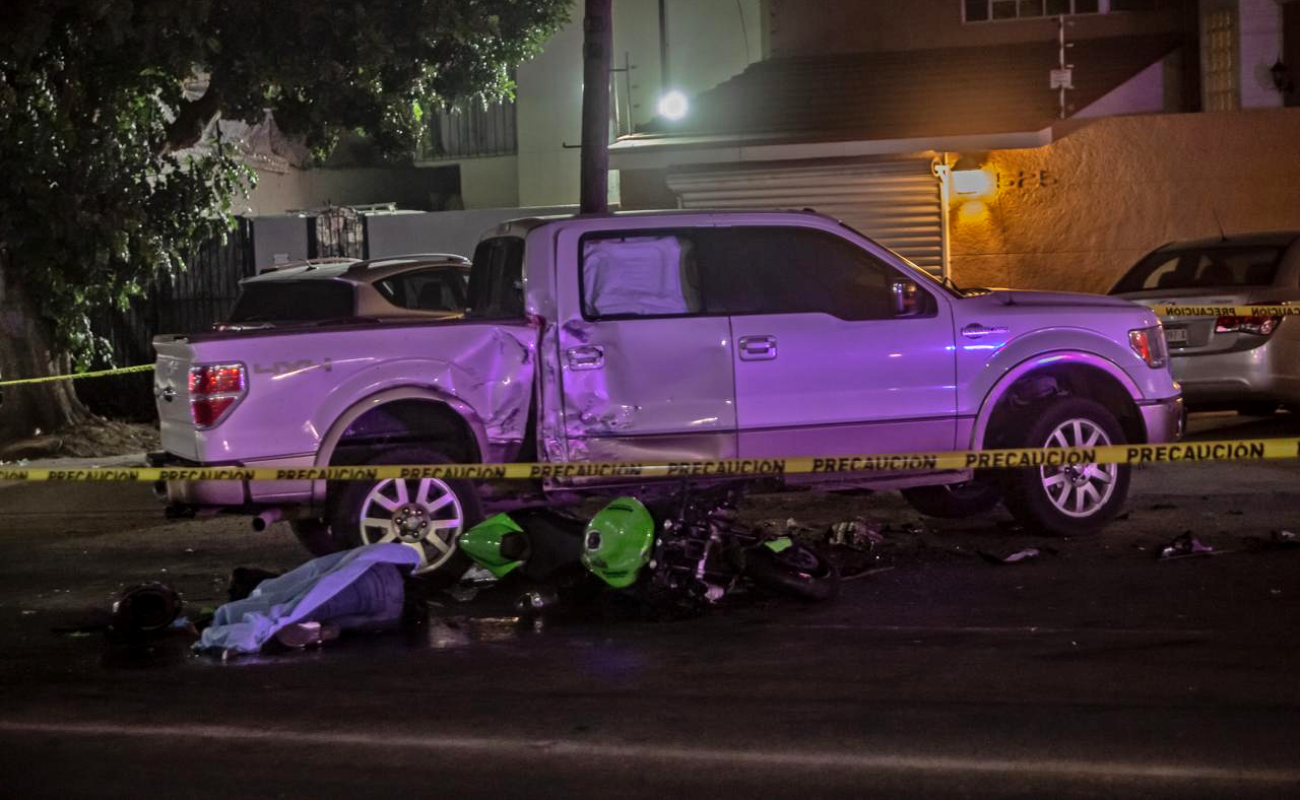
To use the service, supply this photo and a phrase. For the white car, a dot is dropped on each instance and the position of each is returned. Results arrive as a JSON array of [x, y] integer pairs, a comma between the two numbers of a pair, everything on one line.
[[329, 291]]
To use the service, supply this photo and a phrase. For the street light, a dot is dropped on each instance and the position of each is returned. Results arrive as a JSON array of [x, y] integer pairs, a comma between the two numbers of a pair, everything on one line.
[[674, 105]]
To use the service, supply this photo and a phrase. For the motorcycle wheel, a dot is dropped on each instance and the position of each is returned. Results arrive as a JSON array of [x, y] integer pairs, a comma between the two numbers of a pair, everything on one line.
[[798, 571]]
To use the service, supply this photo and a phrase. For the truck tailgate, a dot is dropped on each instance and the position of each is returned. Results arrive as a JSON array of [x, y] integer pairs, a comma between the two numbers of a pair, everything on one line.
[[172, 396]]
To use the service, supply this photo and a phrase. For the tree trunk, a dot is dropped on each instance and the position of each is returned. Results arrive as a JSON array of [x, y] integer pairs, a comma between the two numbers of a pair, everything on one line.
[[597, 42], [25, 352]]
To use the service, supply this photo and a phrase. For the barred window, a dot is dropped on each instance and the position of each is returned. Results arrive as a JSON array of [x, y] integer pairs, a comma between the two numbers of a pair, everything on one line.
[[1219, 50], [998, 10]]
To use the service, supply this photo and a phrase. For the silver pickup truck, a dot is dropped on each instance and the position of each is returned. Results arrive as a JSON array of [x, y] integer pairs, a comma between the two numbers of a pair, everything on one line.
[[669, 336]]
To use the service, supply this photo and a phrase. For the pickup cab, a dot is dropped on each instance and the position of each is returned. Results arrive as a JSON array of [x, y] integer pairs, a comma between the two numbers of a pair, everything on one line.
[[669, 336]]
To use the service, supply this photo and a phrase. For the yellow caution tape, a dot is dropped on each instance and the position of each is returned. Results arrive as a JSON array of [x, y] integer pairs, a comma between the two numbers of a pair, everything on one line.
[[1242, 450], [1226, 311], [79, 375]]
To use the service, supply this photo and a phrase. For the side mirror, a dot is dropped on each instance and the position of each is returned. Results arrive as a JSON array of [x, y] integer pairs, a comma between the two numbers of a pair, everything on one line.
[[907, 299]]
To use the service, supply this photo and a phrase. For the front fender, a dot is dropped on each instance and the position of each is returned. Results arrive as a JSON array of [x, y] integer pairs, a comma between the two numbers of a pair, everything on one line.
[[1052, 347]]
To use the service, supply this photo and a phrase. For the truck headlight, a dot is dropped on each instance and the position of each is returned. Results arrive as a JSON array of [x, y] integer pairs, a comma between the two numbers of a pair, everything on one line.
[[1149, 344]]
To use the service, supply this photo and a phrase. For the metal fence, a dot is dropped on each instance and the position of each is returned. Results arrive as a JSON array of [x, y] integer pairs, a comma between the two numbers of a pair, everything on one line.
[[192, 301], [472, 131]]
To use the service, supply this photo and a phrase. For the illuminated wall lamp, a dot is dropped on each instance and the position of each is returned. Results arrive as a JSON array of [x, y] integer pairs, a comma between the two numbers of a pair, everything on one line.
[[973, 183]]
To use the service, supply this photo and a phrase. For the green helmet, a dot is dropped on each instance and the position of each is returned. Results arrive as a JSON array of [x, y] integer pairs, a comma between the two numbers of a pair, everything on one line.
[[617, 542]]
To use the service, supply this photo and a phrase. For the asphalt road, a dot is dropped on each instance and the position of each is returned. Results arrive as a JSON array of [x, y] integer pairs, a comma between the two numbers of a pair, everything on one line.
[[1093, 670]]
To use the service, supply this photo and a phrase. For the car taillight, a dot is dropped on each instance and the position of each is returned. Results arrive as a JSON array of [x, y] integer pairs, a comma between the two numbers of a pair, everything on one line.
[[1149, 344], [1260, 326], [214, 390]]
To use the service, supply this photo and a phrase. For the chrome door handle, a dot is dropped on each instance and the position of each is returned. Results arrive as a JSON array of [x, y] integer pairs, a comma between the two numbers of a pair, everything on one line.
[[976, 330], [588, 356], [757, 348]]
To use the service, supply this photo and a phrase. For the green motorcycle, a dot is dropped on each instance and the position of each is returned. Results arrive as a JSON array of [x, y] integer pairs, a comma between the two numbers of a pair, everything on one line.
[[696, 554]]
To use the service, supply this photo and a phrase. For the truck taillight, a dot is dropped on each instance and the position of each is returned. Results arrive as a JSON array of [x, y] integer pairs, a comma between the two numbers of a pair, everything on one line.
[[214, 390], [1260, 326]]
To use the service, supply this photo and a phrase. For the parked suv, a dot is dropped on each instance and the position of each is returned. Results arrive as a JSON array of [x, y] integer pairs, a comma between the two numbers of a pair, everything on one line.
[[346, 289], [1252, 365], [670, 337]]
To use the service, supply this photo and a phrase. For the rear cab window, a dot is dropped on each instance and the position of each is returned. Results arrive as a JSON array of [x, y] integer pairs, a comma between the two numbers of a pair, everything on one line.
[[496, 280]]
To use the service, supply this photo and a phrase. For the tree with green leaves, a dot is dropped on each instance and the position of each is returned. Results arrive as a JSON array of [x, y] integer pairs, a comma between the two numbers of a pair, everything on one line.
[[113, 174]]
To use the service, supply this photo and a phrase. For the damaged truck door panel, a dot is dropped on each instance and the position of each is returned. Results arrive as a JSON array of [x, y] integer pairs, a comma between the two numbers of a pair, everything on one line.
[[678, 335]]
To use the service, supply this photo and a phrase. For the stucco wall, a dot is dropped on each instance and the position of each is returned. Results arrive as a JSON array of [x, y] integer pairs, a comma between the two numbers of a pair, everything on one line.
[[801, 27], [490, 182], [1075, 214]]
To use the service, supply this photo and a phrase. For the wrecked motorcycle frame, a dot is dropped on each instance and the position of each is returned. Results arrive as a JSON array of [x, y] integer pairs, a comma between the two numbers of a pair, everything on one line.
[[678, 567]]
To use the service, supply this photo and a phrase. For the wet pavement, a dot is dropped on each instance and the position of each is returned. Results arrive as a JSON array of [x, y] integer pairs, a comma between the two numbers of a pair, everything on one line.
[[1093, 669]]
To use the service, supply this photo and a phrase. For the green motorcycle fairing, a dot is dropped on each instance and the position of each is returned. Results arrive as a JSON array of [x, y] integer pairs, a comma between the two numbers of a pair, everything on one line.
[[617, 542], [779, 544], [482, 543]]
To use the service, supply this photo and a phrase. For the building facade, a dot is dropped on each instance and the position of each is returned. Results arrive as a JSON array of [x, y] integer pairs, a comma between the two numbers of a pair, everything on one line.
[[1027, 143]]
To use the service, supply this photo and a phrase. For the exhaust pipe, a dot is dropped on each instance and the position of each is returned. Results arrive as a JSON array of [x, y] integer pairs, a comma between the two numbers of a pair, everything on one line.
[[266, 519]]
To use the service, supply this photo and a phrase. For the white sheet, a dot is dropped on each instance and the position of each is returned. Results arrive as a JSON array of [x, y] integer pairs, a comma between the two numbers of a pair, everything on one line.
[[640, 275]]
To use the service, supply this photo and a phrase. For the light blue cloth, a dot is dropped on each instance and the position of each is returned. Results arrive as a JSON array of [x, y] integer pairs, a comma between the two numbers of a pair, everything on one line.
[[358, 588]]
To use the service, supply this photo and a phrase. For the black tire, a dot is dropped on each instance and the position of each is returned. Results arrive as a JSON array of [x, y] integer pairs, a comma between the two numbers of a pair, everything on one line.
[[1026, 492], [798, 571], [1258, 409], [954, 500], [348, 502]]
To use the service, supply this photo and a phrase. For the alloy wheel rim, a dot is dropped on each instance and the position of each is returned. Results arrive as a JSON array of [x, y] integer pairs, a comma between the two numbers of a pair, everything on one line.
[[1080, 490], [423, 514]]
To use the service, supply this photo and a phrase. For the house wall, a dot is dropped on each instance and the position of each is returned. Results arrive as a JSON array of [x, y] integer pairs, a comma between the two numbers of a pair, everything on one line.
[[491, 182], [800, 27], [709, 41], [1075, 214]]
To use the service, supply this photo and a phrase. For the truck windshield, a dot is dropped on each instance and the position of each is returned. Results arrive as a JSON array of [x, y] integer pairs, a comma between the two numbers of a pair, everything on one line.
[[293, 301], [496, 281], [1207, 268]]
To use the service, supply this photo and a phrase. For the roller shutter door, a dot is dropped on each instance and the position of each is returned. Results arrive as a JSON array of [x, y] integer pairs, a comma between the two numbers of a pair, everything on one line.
[[897, 203]]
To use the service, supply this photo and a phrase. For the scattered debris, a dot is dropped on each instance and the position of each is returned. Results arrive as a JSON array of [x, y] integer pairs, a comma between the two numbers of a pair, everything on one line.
[[146, 610], [859, 534], [1286, 538], [854, 576], [462, 592], [1029, 553], [1184, 546], [532, 603]]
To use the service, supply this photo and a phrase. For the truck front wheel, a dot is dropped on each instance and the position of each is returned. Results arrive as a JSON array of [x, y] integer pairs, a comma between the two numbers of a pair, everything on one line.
[[426, 514], [1072, 499], [954, 500]]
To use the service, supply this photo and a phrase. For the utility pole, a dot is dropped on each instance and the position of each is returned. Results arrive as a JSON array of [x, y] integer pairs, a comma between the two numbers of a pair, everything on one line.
[[665, 77], [598, 41]]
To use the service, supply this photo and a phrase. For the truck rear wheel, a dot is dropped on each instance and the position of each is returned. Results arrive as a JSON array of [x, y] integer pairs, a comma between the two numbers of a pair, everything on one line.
[[954, 500], [1068, 500], [426, 514]]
